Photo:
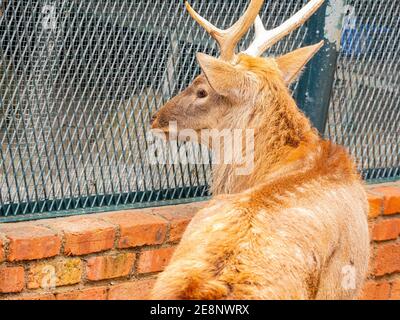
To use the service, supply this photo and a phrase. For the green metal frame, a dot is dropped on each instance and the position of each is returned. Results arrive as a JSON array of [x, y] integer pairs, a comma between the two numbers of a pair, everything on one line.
[[70, 207]]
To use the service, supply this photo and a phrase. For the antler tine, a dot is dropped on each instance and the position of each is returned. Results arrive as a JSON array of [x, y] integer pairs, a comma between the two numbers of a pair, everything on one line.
[[229, 38], [265, 39]]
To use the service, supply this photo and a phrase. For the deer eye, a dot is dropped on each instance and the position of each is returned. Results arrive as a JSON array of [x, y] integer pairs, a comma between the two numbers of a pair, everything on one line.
[[201, 93]]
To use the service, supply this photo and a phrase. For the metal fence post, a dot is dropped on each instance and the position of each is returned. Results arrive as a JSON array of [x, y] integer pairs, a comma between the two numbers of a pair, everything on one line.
[[316, 83]]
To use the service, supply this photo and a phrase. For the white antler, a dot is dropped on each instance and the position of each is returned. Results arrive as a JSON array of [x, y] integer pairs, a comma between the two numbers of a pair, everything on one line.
[[228, 39], [265, 39]]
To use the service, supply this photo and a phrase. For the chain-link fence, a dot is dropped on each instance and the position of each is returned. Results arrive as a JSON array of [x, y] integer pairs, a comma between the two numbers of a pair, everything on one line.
[[364, 113], [80, 79]]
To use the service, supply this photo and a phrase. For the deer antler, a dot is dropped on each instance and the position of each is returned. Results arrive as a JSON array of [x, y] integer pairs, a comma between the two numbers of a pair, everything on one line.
[[228, 39], [265, 39]]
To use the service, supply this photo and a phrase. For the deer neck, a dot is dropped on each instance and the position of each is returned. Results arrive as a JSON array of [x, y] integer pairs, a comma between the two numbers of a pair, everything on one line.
[[279, 128]]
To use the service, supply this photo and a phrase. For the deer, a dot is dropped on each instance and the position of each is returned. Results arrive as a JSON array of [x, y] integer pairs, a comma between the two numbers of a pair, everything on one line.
[[295, 227]]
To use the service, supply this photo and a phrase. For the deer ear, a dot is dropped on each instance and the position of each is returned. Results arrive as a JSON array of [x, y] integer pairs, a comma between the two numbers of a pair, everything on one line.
[[292, 63], [221, 75]]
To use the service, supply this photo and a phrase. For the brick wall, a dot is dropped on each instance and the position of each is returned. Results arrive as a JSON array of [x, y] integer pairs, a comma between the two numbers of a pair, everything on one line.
[[118, 255], [384, 222]]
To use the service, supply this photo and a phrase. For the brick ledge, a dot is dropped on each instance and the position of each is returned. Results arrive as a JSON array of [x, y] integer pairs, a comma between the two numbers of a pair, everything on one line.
[[117, 255]]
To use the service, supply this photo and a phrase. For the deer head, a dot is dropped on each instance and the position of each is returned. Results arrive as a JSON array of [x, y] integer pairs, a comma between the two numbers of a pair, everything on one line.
[[237, 90]]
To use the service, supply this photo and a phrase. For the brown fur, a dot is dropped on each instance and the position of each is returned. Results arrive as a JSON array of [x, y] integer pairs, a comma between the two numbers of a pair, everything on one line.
[[289, 229]]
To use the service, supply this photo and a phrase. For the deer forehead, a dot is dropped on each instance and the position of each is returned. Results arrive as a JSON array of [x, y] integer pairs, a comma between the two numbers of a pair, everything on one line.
[[262, 68]]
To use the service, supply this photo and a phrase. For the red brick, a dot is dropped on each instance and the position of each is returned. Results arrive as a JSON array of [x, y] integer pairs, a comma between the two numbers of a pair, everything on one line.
[[107, 267], [12, 279], [59, 272], [29, 242], [138, 228], [391, 198], [371, 226], [85, 235], [395, 292], [386, 230], [387, 259], [195, 206], [375, 205], [154, 260], [97, 293], [179, 218], [44, 296], [135, 290], [376, 291], [2, 245]]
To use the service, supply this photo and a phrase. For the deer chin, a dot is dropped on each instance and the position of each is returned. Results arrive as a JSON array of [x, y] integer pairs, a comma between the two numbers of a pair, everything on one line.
[[167, 134]]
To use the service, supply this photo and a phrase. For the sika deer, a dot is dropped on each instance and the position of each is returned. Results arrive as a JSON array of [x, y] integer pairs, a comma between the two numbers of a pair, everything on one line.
[[296, 227]]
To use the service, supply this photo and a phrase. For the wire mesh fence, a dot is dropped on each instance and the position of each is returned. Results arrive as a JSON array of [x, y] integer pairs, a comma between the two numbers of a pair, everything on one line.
[[79, 81], [364, 113]]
